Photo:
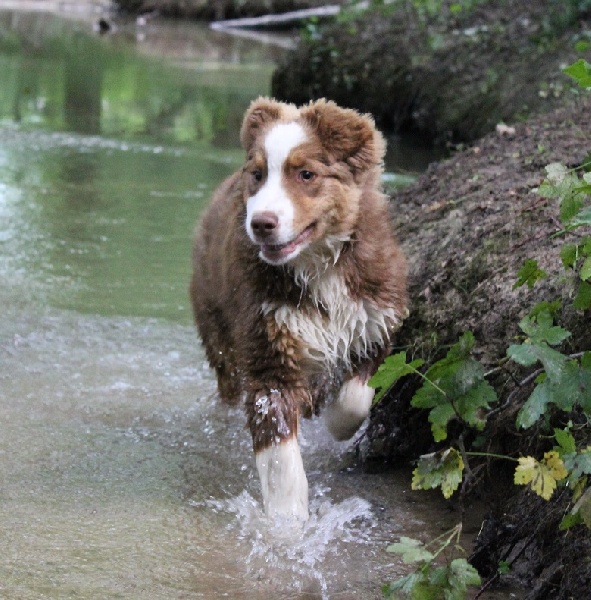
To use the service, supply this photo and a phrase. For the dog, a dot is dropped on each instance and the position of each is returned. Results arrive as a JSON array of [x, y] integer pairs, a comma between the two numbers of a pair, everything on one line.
[[298, 282]]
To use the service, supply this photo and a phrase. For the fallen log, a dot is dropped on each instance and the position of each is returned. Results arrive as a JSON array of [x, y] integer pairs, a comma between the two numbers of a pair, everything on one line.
[[281, 21]]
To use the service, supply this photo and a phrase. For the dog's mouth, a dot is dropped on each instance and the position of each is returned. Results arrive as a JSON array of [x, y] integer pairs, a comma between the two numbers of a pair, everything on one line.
[[280, 253]]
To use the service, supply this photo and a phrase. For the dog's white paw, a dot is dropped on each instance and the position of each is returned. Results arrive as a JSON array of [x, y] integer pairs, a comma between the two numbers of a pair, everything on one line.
[[349, 409]]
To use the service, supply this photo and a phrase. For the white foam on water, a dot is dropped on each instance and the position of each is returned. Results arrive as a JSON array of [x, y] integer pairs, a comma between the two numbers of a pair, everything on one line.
[[299, 554]]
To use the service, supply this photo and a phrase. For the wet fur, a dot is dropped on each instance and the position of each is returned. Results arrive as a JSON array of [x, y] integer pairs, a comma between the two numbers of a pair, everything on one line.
[[251, 314]]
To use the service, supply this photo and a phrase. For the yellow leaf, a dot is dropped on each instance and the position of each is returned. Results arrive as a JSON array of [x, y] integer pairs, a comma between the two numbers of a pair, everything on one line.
[[555, 465], [540, 475], [525, 472]]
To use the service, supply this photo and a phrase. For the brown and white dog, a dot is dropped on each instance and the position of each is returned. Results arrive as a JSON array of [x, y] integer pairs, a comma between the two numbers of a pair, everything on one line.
[[298, 283]]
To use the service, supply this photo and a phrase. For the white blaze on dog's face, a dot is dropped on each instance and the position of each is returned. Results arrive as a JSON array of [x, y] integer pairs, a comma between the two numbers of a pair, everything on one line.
[[270, 211], [303, 177]]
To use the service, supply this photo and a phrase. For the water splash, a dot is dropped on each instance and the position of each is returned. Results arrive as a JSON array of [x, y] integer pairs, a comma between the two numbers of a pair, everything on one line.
[[298, 555]]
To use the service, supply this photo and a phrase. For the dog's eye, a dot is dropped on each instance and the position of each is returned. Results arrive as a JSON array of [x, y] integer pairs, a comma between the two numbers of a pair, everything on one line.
[[306, 176], [257, 175]]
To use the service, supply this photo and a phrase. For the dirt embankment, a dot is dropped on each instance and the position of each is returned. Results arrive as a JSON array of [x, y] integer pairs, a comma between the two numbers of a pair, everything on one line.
[[452, 75], [467, 226]]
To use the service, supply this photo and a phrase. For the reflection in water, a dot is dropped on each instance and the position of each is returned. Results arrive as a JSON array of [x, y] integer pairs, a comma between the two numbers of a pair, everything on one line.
[[122, 477], [56, 76], [83, 87]]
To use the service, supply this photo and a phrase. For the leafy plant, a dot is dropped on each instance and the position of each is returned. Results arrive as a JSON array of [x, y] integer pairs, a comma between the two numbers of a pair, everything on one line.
[[455, 388], [430, 580], [530, 273], [439, 469], [580, 71], [390, 371]]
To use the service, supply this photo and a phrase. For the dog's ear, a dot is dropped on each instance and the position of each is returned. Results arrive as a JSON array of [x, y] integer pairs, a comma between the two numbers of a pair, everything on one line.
[[260, 113], [346, 134]]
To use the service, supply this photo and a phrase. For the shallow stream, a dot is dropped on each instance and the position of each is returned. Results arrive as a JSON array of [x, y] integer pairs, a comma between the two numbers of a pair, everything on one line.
[[121, 476]]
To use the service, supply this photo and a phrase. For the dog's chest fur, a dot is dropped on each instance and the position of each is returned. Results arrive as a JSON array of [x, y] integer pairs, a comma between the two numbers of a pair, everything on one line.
[[334, 328]]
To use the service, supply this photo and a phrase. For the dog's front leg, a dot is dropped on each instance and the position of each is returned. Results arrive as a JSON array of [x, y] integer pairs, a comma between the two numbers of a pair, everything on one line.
[[273, 416]]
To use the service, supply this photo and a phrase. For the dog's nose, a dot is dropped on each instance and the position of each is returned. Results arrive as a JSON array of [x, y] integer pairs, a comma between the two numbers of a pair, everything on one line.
[[263, 224]]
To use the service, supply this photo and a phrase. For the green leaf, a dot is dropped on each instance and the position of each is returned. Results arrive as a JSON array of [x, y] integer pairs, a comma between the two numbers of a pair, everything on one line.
[[504, 567], [550, 307], [462, 575], [570, 520], [583, 507], [405, 585], [565, 185], [572, 387], [455, 388], [529, 273], [523, 354], [428, 396], [556, 173], [535, 405], [569, 254], [440, 469], [580, 71], [425, 590], [571, 204], [472, 404], [541, 329], [585, 272], [439, 417], [455, 356], [390, 371], [583, 218], [411, 550], [578, 464], [565, 440], [467, 396], [529, 354], [582, 300], [548, 190]]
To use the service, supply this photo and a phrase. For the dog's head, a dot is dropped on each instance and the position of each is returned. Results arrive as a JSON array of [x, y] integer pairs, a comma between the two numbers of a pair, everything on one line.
[[304, 175]]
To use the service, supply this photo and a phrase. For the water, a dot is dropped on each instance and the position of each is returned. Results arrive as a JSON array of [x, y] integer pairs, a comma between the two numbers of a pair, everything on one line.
[[121, 476]]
